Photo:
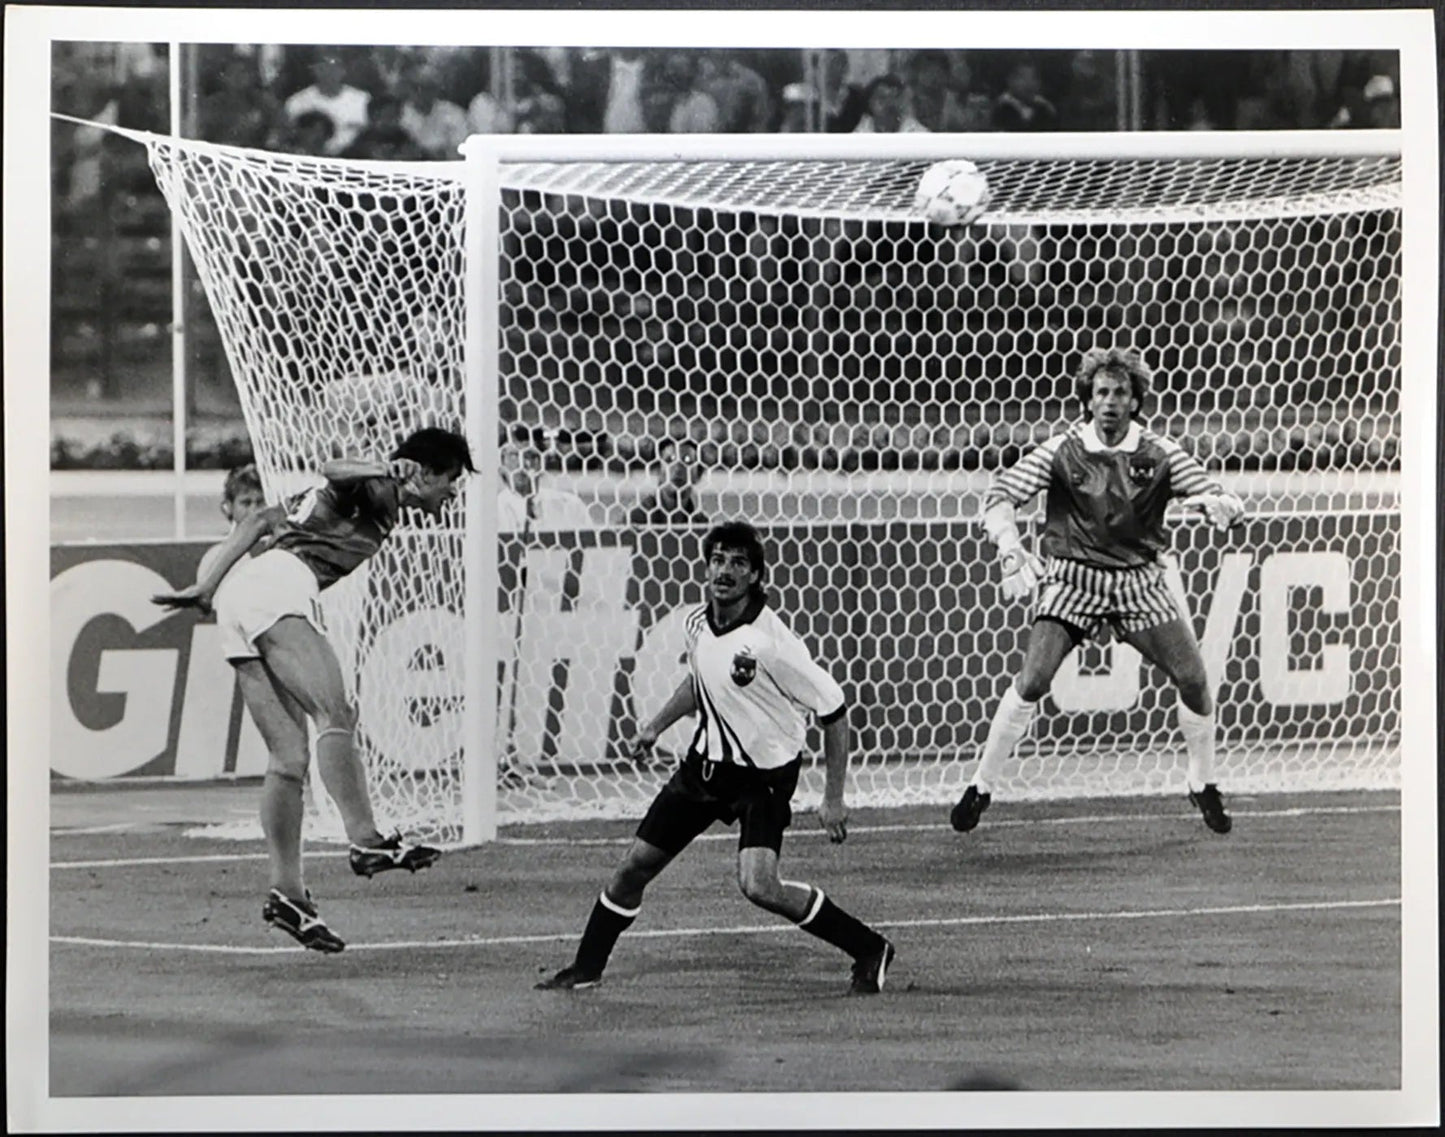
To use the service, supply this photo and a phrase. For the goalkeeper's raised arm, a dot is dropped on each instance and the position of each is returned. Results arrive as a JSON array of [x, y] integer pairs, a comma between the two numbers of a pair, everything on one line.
[[1202, 493], [1019, 570]]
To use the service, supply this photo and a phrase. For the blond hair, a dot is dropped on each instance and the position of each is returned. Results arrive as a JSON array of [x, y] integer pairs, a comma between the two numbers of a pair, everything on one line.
[[1122, 360]]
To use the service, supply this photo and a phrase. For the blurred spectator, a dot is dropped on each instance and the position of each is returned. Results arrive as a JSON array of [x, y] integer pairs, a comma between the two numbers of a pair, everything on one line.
[[384, 69], [540, 107], [344, 105], [605, 95], [1199, 116], [744, 103], [241, 111], [887, 113], [460, 71], [1022, 106], [524, 505], [1382, 103], [930, 83], [690, 109], [673, 501], [977, 113], [868, 63], [435, 126], [542, 113], [385, 139], [1090, 102], [485, 115], [844, 102], [308, 133], [798, 98]]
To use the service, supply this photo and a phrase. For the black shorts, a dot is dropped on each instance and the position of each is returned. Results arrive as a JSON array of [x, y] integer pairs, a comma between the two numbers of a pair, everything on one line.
[[699, 793]]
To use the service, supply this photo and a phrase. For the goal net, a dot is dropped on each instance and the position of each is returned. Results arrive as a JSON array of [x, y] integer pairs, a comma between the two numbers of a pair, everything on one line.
[[781, 333]]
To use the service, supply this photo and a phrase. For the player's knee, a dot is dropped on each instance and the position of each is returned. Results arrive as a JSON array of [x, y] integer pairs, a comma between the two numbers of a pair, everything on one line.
[[287, 767], [760, 887], [1194, 692], [629, 882], [339, 716], [1032, 687]]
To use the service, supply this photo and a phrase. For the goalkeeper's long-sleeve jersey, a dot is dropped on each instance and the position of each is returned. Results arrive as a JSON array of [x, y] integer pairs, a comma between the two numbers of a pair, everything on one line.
[[1105, 504]]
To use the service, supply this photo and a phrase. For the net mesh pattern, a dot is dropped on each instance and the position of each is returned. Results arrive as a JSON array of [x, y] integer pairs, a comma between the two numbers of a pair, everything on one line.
[[788, 342]]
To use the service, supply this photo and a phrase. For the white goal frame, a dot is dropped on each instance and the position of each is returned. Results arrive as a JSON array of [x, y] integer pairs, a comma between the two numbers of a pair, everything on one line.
[[484, 157]]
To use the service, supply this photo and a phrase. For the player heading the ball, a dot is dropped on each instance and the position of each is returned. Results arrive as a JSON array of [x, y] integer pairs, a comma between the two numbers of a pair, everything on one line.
[[267, 612], [1108, 481], [753, 686]]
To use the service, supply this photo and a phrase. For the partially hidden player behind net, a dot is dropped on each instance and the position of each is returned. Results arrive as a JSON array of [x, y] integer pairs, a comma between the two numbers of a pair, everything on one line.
[[267, 612], [753, 686], [1108, 480]]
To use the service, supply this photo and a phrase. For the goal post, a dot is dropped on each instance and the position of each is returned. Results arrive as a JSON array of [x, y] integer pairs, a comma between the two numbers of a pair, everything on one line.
[[848, 377]]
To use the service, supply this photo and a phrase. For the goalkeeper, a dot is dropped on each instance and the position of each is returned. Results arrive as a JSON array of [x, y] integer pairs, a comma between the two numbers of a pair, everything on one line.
[[1108, 481]]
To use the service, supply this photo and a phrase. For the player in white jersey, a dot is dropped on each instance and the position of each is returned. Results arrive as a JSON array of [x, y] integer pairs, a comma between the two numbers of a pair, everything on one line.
[[753, 686], [1108, 480]]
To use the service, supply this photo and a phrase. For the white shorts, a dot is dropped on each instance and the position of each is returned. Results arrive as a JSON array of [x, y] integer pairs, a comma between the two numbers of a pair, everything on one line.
[[259, 591]]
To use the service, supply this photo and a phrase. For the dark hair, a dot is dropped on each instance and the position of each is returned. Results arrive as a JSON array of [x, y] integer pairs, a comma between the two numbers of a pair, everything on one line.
[[241, 478], [737, 535], [887, 79], [930, 57], [440, 451], [1124, 361]]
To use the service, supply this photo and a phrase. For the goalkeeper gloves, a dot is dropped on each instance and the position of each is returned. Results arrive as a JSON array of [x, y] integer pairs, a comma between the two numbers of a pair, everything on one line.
[[1222, 510], [1021, 573]]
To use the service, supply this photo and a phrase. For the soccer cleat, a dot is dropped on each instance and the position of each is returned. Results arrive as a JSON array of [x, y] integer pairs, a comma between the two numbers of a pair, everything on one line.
[[300, 920], [393, 853], [571, 978], [870, 971], [969, 809], [1212, 806]]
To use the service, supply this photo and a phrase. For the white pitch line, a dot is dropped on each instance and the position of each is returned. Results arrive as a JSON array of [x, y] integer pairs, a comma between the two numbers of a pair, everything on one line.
[[1018, 823], [89, 830], [748, 929], [803, 831]]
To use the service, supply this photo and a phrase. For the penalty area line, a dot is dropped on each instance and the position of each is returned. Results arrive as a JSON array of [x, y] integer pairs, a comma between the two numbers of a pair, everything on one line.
[[795, 833], [747, 929]]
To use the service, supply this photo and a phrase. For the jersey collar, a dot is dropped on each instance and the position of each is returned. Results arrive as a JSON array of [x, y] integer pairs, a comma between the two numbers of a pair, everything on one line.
[[1096, 445], [754, 609]]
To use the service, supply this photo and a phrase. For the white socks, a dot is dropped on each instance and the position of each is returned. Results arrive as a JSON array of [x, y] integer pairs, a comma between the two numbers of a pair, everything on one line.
[[1198, 731], [1010, 723]]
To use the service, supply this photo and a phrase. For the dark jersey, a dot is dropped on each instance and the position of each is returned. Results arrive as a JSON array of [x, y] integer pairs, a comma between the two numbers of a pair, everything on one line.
[[332, 528], [1105, 504]]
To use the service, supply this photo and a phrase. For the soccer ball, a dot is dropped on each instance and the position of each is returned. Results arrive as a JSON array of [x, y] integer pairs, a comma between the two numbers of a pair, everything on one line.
[[952, 193]]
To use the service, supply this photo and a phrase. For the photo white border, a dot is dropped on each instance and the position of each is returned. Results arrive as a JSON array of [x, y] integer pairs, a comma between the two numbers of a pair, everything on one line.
[[27, 191]]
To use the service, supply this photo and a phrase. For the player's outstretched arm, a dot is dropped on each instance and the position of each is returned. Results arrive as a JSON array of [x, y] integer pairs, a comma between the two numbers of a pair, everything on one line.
[[1223, 510], [236, 545], [833, 813], [682, 702], [346, 471], [1020, 571], [1201, 491]]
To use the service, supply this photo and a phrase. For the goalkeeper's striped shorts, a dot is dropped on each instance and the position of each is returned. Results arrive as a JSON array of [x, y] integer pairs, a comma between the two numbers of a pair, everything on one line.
[[1127, 599]]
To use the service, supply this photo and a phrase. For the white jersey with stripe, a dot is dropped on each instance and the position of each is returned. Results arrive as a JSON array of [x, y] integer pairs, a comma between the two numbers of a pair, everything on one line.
[[756, 685]]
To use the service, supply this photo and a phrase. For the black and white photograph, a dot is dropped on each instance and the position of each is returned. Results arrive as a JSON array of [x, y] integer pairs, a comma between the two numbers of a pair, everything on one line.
[[794, 569]]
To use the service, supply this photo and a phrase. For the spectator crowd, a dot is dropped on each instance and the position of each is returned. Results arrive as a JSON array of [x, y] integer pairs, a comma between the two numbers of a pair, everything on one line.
[[419, 103], [405, 104]]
